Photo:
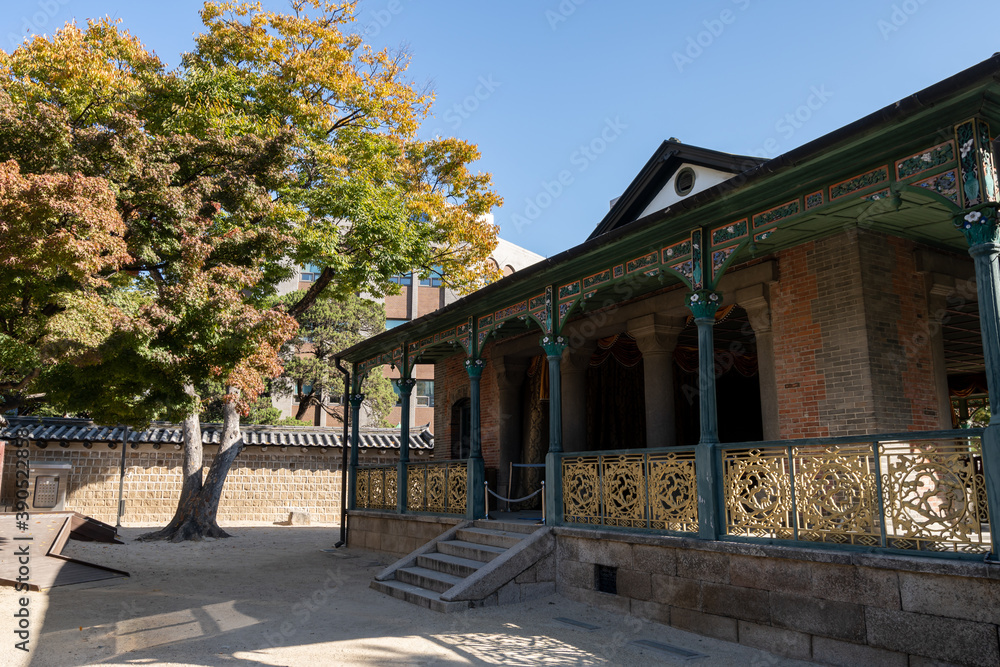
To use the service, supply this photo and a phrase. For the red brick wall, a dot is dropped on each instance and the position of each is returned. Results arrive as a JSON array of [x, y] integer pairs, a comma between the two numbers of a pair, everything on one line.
[[800, 384], [451, 384], [846, 313], [899, 349]]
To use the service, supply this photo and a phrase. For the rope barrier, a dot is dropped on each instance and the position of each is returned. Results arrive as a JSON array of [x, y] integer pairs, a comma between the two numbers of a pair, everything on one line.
[[513, 500]]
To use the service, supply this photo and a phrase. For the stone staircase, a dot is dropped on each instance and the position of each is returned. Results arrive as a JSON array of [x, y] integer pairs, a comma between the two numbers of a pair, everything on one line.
[[476, 563]]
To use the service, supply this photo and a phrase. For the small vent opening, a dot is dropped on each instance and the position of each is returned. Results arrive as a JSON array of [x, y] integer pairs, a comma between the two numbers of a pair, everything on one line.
[[606, 579], [46, 492], [685, 181]]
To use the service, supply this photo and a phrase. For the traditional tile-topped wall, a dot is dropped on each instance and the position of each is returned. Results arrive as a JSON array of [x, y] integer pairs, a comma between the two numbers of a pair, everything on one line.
[[261, 486]]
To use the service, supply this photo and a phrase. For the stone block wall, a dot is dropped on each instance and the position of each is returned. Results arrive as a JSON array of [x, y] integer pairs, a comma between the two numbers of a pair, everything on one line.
[[394, 534], [831, 607], [536, 582], [849, 316], [261, 486]]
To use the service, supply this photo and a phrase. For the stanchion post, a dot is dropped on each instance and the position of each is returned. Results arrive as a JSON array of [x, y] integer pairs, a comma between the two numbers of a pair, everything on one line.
[[486, 498], [543, 501]]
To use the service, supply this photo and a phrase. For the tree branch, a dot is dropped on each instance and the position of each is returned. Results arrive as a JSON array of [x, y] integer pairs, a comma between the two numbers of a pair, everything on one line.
[[303, 304]]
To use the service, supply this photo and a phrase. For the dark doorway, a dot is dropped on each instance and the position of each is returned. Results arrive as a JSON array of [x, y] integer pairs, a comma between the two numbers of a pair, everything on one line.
[[616, 403], [535, 433], [461, 429], [737, 382]]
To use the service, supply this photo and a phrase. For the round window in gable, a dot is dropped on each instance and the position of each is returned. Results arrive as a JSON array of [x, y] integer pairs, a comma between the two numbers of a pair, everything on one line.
[[684, 182]]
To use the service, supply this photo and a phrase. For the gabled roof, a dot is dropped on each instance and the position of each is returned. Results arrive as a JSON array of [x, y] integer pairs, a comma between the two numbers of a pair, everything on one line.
[[656, 174], [65, 431]]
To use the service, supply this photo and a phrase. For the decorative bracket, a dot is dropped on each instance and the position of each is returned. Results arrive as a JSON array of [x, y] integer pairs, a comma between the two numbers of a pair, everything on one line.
[[978, 181]]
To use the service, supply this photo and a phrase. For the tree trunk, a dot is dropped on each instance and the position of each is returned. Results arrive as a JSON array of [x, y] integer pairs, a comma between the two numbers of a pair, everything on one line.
[[229, 449], [304, 405], [198, 506]]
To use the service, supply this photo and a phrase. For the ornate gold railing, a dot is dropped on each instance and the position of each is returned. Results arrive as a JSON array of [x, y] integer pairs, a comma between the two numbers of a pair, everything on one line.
[[636, 489], [437, 486], [375, 487], [921, 493]]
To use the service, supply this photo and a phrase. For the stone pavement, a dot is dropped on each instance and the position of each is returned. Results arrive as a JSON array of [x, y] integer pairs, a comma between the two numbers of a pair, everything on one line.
[[271, 596]]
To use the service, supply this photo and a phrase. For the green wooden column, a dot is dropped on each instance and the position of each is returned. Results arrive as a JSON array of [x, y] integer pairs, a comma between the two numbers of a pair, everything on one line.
[[703, 305], [475, 506], [982, 231], [355, 400], [404, 386], [554, 347]]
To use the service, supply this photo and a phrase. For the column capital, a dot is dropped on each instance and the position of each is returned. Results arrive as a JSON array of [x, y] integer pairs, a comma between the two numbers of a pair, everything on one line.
[[356, 400], [474, 367], [553, 346], [979, 226], [655, 334], [704, 304], [756, 301], [404, 385]]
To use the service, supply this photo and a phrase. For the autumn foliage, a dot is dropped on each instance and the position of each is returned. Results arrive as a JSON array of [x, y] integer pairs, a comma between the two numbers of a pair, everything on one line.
[[147, 215]]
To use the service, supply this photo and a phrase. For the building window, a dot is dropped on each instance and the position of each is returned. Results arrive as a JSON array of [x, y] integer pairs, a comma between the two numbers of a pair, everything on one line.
[[425, 393], [304, 389], [310, 273], [391, 322], [433, 279], [402, 279]]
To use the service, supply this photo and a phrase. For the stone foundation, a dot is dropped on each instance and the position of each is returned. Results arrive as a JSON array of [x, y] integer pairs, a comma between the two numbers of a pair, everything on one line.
[[395, 534], [831, 607]]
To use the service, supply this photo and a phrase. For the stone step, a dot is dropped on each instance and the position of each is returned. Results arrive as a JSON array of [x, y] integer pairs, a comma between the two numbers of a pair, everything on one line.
[[423, 577], [418, 596], [526, 527], [481, 552], [453, 565], [490, 537]]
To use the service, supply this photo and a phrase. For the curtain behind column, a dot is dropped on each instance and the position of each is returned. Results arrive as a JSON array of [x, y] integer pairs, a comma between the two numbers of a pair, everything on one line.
[[536, 431], [616, 403]]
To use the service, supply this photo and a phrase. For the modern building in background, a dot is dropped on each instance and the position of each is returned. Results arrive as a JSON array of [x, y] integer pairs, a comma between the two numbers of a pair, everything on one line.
[[417, 297]]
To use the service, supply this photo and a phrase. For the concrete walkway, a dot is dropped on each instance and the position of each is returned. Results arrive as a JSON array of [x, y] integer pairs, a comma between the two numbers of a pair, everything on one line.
[[270, 596]]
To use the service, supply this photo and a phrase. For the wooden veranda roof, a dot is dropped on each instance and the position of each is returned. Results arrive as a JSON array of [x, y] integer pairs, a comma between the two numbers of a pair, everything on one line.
[[899, 170]]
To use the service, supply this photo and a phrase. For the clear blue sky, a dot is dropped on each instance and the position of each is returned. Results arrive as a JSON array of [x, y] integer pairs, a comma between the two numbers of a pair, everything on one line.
[[592, 87]]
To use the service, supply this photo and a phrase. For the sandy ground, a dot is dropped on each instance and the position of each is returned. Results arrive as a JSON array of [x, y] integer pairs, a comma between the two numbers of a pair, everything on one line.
[[270, 596]]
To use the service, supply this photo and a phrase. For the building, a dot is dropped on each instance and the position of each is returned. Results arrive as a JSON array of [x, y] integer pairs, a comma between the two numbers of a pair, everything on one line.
[[417, 297], [744, 387]]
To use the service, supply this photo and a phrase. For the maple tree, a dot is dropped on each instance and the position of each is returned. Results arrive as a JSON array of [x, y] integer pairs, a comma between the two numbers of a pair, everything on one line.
[[152, 213]]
